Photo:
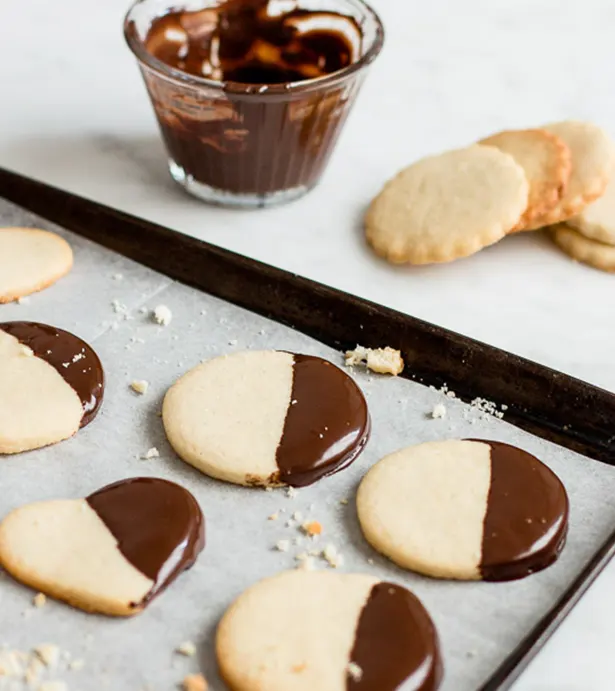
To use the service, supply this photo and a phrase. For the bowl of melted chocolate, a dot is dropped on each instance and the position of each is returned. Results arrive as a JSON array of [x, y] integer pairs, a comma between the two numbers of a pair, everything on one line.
[[251, 95]]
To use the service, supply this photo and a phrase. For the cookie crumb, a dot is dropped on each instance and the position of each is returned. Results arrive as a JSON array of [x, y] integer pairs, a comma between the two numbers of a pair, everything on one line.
[[298, 516], [139, 386], [23, 300], [48, 653], [194, 682], [354, 671], [332, 556], [33, 671], [273, 517], [312, 528], [291, 492], [39, 600], [117, 277], [370, 561], [306, 562], [282, 545], [53, 686], [381, 360], [439, 411], [344, 501], [26, 351], [143, 310], [186, 648], [119, 307], [76, 665], [151, 453], [233, 342], [11, 663], [162, 315]]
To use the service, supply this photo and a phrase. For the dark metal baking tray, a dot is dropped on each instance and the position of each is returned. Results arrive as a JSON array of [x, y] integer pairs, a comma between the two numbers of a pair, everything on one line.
[[540, 400]]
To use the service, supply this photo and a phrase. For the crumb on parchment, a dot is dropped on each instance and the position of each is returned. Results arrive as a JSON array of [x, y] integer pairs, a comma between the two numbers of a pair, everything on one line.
[[39, 600], [194, 682], [162, 315], [381, 360], [151, 453], [139, 386], [439, 411], [187, 648]]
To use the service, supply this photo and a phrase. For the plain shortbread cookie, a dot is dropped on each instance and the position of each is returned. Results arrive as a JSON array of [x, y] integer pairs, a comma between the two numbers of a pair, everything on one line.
[[583, 249], [31, 260], [547, 163], [593, 159], [447, 206], [597, 221]]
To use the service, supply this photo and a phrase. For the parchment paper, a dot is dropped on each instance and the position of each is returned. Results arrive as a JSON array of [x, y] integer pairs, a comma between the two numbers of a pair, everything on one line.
[[478, 623]]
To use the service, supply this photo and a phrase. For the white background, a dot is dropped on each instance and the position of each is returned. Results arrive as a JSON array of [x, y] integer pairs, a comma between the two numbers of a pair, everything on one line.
[[73, 112]]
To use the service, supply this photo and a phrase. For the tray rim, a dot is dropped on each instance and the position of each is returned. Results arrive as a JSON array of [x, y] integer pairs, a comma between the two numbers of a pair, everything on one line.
[[128, 235]]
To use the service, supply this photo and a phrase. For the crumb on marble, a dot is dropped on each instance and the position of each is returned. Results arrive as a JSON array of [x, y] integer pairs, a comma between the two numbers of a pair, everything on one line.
[[312, 528], [48, 653]]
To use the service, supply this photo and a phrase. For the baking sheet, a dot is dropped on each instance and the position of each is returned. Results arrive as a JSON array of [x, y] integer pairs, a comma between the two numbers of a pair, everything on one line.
[[107, 300]]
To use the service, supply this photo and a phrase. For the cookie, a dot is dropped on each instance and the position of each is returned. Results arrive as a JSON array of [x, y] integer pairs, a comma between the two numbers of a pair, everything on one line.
[[465, 510], [302, 631], [112, 552], [51, 384], [597, 221], [599, 255], [31, 260], [547, 163], [447, 206], [266, 418], [593, 160]]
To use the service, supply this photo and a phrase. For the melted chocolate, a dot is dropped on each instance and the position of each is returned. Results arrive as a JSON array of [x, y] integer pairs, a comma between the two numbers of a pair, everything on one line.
[[73, 359], [527, 515], [238, 41], [158, 525], [395, 642], [244, 138], [327, 424]]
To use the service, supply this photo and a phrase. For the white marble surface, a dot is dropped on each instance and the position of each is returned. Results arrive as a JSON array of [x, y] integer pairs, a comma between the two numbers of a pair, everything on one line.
[[74, 114]]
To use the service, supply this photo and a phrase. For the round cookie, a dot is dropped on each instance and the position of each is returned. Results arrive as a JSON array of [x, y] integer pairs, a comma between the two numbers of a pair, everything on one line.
[[31, 260], [597, 221], [465, 510], [112, 552], [599, 255], [301, 631], [593, 160], [547, 163], [51, 384], [447, 206], [266, 418]]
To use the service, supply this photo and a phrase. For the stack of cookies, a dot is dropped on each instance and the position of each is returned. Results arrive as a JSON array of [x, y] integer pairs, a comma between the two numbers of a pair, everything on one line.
[[454, 204]]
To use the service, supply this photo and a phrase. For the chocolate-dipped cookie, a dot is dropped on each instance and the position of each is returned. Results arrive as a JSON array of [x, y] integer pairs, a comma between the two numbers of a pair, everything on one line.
[[467, 510], [51, 384], [266, 418], [301, 631], [111, 552]]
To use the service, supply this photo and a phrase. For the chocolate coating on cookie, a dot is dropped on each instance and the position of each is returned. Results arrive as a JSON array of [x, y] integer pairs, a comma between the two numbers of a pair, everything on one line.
[[327, 423], [526, 521], [158, 525], [395, 642], [73, 359]]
